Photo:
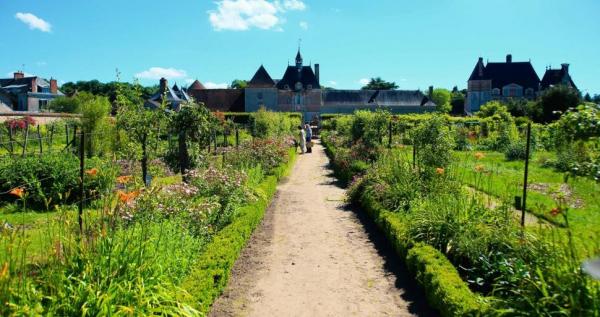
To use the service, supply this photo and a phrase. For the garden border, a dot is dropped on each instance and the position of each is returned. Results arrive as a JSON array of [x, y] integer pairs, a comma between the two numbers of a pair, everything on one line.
[[210, 276], [444, 288]]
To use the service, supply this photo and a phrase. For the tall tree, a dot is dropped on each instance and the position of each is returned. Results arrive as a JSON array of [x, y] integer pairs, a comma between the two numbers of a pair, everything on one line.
[[239, 84], [442, 98], [379, 84], [557, 100]]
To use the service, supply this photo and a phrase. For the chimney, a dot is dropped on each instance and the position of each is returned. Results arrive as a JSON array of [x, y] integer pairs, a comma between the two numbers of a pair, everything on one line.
[[317, 73], [565, 68], [480, 67], [53, 86], [34, 84], [509, 58], [430, 92], [18, 75], [163, 85]]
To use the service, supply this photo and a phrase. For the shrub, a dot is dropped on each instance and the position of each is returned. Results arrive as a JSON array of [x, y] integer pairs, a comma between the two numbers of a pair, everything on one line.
[[53, 178], [268, 124]]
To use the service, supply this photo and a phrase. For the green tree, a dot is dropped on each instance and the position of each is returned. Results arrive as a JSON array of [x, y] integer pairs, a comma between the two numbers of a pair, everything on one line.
[[494, 109], [442, 98], [587, 97], [64, 104], [239, 84], [140, 123], [193, 122], [458, 101], [95, 110], [379, 84], [556, 100]]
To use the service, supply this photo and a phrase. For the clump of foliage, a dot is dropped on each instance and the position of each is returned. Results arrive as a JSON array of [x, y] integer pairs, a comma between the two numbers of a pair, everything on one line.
[[269, 124]]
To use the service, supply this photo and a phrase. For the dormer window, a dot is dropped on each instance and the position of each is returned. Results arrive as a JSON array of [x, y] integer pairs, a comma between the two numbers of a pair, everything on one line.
[[495, 92], [298, 86], [286, 86]]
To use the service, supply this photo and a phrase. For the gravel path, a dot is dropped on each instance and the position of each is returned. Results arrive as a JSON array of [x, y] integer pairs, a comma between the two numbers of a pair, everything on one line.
[[312, 256]]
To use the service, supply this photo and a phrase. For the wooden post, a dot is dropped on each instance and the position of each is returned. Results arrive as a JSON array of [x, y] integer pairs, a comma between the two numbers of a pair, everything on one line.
[[523, 209], [11, 140], [39, 138], [67, 135], [51, 136], [81, 187], [215, 139], [26, 139], [414, 155], [390, 134], [237, 137]]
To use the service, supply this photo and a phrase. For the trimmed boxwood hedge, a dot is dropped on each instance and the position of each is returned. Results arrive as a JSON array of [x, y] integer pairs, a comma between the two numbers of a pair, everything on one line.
[[211, 274], [443, 286]]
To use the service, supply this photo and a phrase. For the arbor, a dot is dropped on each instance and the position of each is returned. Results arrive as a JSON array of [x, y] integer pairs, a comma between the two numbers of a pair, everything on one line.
[[556, 101], [239, 84], [379, 84], [442, 98]]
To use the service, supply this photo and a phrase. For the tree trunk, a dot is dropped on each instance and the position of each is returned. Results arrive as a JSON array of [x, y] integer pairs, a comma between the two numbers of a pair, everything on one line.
[[145, 159], [184, 157]]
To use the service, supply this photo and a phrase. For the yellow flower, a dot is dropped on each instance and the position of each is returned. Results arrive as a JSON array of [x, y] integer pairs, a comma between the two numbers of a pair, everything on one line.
[[439, 171], [17, 192], [92, 172], [479, 155]]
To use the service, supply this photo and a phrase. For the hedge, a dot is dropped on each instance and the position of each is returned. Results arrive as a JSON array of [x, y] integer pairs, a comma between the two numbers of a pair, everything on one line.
[[443, 286], [211, 274]]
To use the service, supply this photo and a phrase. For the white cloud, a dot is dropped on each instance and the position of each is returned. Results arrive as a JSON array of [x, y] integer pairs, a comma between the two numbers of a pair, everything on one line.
[[304, 25], [364, 81], [294, 5], [34, 22], [159, 72], [241, 15], [332, 83], [189, 81], [211, 85]]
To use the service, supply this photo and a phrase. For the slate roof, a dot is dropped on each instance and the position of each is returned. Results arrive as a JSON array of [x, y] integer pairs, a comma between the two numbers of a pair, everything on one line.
[[261, 79], [291, 76], [554, 77], [504, 73], [196, 85], [220, 99], [390, 98]]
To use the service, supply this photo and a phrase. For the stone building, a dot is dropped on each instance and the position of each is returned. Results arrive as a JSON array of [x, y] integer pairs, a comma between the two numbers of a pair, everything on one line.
[[510, 80], [299, 90], [30, 93]]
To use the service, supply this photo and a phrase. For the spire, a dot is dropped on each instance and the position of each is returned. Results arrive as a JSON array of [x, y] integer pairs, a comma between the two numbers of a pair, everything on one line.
[[298, 58]]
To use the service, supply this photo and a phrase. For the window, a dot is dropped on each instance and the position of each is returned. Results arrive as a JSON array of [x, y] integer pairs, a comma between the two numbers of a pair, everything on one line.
[[298, 85], [529, 92], [495, 92], [259, 96], [286, 86], [42, 103]]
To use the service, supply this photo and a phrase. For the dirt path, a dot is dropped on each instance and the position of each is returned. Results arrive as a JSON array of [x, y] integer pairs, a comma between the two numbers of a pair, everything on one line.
[[312, 256]]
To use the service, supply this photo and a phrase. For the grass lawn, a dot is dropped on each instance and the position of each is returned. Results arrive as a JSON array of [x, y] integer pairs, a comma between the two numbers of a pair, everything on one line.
[[494, 175]]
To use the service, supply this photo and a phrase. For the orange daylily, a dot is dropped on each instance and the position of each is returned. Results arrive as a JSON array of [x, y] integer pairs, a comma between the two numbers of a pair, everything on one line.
[[555, 211], [92, 172], [17, 192], [479, 168], [479, 155], [439, 171], [124, 179], [127, 197]]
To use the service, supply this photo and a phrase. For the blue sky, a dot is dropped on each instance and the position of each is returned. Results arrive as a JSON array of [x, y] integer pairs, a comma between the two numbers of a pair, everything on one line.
[[414, 43]]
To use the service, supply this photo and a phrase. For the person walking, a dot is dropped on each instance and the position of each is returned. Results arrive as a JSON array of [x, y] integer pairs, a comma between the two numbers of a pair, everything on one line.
[[302, 136], [308, 132]]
